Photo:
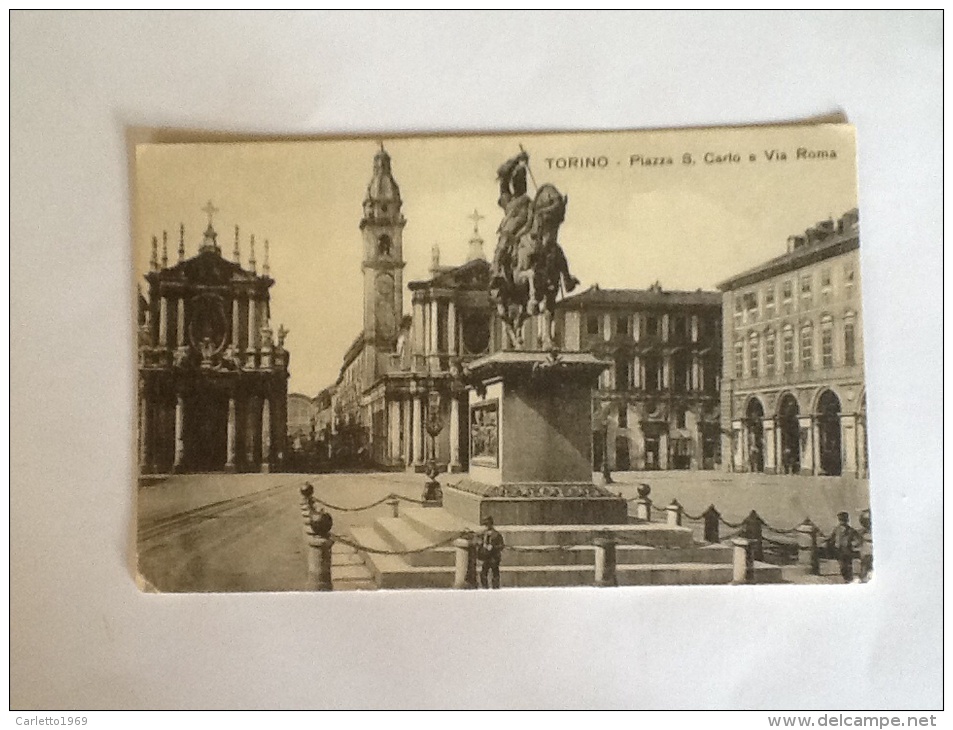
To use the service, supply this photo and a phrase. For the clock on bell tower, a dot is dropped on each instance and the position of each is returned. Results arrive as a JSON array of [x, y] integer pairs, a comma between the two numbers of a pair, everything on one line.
[[382, 227]]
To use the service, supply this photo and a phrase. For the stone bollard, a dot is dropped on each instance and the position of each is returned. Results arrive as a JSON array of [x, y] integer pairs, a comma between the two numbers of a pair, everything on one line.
[[643, 509], [674, 516], [319, 561], [465, 561], [605, 559], [394, 506], [807, 547], [751, 529], [743, 561], [711, 516]]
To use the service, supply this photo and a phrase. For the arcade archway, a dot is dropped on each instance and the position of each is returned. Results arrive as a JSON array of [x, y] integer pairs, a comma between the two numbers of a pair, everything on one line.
[[754, 427], [829, 433], [790, 456]]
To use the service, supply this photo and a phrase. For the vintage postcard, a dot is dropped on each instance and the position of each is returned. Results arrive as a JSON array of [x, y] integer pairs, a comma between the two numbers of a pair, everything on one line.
[[501, 361]]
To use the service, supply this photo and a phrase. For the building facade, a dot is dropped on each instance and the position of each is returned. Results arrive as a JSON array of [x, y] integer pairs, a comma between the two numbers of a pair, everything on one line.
[[212, 377], [793, 390], [656, 407]]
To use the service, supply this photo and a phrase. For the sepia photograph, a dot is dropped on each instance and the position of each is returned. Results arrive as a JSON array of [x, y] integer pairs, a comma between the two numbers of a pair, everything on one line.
[[501, 361]]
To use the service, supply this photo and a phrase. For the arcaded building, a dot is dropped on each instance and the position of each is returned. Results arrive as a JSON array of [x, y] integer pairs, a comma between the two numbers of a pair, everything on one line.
[[656, 406], [793, 389], [213, 376]]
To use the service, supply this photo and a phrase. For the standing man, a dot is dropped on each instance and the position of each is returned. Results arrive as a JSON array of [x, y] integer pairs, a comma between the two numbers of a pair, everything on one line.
[[843, 544], [491, 551]]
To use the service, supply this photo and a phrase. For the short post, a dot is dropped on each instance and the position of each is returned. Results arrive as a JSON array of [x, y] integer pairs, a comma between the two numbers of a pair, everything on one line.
[[319, 561], [807, 547], [674, 514], [643, 509], [751, 529], [465, 555], [712, 517], [743, 561], [394, 506], [605, 559]]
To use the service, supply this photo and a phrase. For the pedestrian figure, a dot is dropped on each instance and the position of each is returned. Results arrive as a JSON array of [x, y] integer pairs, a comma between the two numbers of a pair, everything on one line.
[[490, 552], [843, 544], [866, 552]]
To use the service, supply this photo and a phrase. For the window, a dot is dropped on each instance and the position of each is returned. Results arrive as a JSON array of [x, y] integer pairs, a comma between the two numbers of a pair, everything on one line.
[[592, 324], [806, 292], [827, 343], [651, 326], [751, 305], [653, 374], [849, 345], [677, 327], [787, 349], [807, 348], [622, 325], [769, 354], [849, 277], [680, 418], [754, 356], [739, 359], [787, 296], [623, 415], [739, 309], [769, 302], [623, 374]]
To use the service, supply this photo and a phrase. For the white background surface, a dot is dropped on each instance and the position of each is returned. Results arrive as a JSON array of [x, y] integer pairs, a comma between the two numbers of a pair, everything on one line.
[[83, 637]]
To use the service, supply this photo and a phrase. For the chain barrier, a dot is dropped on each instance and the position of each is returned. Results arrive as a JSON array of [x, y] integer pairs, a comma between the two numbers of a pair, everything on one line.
[[377, 551], [406, 499], [338, 508], [730, 525], [542, 548]]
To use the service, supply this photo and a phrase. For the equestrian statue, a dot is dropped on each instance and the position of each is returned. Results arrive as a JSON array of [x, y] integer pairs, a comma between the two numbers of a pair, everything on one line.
[[529, 266]]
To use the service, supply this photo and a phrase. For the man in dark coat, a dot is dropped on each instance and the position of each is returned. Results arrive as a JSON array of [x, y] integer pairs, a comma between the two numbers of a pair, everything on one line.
[[843, 544], [490, 552]]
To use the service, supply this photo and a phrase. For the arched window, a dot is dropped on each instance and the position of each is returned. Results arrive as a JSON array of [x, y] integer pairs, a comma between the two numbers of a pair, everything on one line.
[[769, 354], [754, 355], [850, 344], [788, 349], [827, 342], [807, 347]]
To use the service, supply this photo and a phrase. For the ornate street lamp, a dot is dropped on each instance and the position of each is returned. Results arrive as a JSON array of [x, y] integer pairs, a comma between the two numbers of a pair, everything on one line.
[[433, 495]]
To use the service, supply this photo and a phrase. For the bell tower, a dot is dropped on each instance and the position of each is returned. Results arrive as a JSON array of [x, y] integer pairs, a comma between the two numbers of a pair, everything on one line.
[[382, 227]]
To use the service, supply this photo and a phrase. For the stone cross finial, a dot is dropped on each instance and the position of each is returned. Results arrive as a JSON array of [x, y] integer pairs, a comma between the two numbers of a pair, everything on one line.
[[181, 242], [266, 267], [154, 261], [236, 254], [165, 250], [476, 218], [210, 210], [252, 264]]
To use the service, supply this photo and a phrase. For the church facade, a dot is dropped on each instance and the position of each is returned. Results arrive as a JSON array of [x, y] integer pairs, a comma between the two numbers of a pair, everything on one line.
[[398, 380], [212, 376]]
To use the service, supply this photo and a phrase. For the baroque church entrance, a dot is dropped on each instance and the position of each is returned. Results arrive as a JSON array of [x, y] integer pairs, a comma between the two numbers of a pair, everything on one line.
[[205, 430]]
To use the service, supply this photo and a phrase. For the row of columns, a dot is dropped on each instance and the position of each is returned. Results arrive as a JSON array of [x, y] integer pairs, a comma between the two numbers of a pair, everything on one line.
[[413, 443], [852, 437], [254, 317], [145, 435], [695, 379], [636, 327], [427, 327]]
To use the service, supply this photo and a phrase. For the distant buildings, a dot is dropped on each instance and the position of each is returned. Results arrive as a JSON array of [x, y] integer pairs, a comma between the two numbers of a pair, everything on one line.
[[793, 389], [212, 376], [657, 406]]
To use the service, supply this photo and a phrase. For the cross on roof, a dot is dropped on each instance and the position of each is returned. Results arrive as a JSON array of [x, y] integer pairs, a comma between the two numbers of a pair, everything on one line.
[[476, 218], [210, 210]]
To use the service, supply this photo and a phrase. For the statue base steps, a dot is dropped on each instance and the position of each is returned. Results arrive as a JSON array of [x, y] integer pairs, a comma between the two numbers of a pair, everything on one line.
[[546, 555]]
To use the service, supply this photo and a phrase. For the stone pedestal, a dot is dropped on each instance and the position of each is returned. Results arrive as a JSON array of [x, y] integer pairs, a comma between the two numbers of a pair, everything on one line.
[[531, 443]]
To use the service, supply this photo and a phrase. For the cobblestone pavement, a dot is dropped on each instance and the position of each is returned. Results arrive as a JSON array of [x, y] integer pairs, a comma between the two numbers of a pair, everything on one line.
[[220, 533], [243, 532]]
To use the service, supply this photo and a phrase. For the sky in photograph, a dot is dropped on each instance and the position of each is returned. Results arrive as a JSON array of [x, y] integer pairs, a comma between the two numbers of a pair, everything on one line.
[[627, 224]]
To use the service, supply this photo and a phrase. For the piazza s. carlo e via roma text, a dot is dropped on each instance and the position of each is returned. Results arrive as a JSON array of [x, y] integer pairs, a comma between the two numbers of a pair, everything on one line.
[[688, 158]]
